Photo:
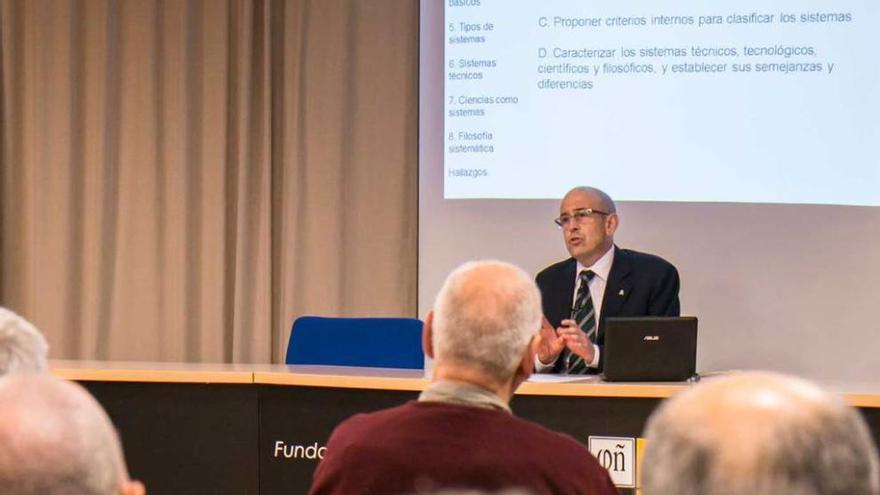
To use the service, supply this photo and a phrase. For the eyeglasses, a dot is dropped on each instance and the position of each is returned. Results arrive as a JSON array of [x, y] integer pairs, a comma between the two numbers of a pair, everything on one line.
[[579, 216]]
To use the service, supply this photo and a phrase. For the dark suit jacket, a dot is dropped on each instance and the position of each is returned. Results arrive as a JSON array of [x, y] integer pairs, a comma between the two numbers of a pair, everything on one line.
[[639, 284]]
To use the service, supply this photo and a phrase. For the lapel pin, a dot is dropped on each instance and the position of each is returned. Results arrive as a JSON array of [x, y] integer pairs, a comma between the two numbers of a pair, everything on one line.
[[620, 293]]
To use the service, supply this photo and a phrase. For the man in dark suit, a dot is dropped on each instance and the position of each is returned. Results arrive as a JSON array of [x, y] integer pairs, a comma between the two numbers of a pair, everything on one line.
[[598, 281]]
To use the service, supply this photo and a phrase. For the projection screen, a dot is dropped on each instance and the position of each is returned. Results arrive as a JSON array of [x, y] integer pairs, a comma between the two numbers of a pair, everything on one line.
[[741, 143]]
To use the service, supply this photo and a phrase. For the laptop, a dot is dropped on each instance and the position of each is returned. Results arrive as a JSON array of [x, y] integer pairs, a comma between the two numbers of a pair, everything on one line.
[[652, 348]]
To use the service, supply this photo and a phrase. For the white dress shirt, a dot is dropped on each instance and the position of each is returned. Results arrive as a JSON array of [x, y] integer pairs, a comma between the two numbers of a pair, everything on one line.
[[602, 267]]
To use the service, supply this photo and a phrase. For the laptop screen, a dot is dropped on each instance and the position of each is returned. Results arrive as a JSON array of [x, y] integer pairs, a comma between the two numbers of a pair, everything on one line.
[[650, 348]]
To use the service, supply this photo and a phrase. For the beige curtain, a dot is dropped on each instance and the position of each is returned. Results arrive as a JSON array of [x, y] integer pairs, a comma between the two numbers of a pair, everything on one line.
[[181, 179]]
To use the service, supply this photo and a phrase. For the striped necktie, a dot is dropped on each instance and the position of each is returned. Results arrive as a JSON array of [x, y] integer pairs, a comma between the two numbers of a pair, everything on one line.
[[584, 313]]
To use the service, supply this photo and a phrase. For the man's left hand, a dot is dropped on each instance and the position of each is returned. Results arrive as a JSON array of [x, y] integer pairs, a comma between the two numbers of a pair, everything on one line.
[[576, 340]]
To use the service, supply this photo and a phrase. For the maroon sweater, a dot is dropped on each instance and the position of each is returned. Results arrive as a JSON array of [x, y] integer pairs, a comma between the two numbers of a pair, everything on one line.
[[423, 446]]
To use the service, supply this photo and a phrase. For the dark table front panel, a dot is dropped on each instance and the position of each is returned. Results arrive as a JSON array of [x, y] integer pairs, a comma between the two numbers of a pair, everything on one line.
[[182, 438], [295, 423], [582, 417]]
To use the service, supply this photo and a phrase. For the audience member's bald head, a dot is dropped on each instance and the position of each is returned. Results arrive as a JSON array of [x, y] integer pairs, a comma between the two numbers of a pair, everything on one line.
[[22, 347], [758, 434], [484, 318], [56, 439]]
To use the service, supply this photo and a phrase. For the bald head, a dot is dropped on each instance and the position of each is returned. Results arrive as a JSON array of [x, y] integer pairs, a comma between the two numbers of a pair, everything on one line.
[[601, 200], [588, 218], [56, 439], [758, 434], [22, 347], [485, 317]]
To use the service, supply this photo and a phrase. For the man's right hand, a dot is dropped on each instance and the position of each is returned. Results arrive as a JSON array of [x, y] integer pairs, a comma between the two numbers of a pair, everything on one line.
[[549, 344]]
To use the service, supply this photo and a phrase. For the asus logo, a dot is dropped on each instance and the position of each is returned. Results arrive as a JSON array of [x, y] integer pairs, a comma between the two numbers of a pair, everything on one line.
[[651, 338]]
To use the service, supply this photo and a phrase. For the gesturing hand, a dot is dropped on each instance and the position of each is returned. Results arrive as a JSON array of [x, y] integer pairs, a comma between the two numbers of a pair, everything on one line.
[[549, 344], [576, 340]]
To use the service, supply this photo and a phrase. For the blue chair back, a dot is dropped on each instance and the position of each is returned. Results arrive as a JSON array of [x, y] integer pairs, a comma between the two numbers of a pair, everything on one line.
[[373, 342]]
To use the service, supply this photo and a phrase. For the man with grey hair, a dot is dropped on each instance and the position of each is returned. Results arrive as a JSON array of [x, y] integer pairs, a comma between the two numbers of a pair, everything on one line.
[[758, 434], [56, 439], [22, 347], [461, 433]]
